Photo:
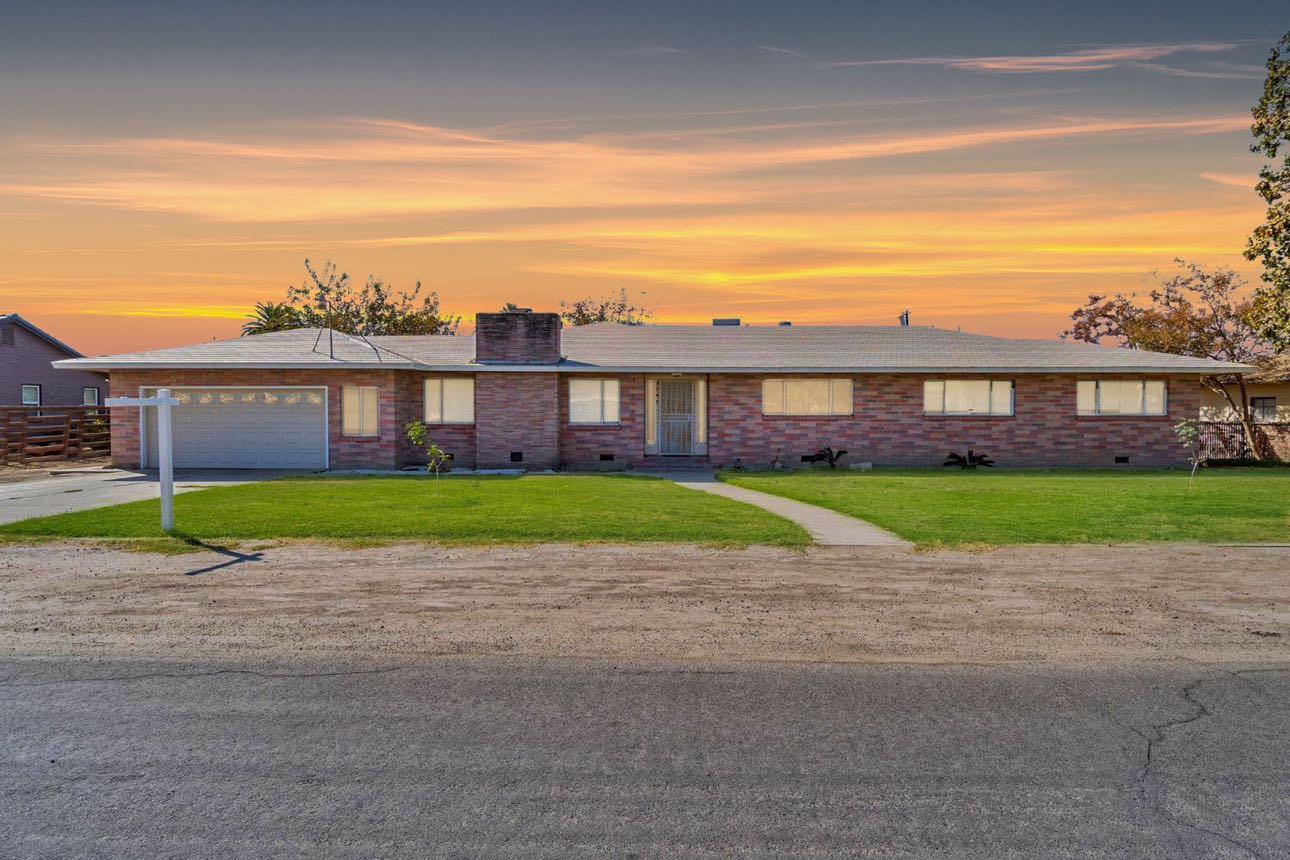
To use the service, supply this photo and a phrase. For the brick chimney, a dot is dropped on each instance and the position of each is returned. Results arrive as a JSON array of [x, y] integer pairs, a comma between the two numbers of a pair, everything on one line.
[[517, 337]]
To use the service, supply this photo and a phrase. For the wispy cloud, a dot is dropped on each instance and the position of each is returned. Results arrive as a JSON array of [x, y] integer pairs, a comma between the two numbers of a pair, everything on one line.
[[783, 52], [369, 168], [655, 51], [1218, 74], [1234, 180], [1085, 60]]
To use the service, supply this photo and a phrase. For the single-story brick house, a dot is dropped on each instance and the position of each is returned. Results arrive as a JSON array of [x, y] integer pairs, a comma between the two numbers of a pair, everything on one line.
[[525, 392]]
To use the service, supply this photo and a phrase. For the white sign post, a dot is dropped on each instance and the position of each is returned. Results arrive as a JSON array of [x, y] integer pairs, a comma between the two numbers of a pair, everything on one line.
[[165, 448]]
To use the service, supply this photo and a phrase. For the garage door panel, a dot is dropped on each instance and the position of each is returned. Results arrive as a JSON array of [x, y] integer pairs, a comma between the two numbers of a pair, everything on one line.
[[246, 428]]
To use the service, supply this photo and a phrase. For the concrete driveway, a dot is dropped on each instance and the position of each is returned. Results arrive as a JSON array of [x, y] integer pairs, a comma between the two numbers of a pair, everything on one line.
[[48, 494]]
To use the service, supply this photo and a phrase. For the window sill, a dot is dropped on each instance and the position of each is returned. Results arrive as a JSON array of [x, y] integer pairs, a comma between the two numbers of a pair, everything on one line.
[[449, 423], [361, 438], [973, 415], [827, 416], [1123, 417], [598, 426]]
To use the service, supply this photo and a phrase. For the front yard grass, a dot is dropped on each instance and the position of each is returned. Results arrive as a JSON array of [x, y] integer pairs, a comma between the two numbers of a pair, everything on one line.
[[464, 510], [995, 507]]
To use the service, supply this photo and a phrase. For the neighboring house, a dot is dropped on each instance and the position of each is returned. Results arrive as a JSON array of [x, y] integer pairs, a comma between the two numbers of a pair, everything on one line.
[[27, 377], [522, 392], [1268, 388]]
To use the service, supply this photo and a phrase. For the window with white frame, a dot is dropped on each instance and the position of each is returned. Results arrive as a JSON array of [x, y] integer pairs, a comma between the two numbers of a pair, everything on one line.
[[359, 410], [799, 396], [89, 396], [30, 395], [593, 401], [968, 397], [1121, 397], [450, 400]]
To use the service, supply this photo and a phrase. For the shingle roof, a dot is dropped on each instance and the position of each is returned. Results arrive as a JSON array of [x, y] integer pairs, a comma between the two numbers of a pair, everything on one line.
[[669, 348], [298, 348], [869, 348], [1272, 370]]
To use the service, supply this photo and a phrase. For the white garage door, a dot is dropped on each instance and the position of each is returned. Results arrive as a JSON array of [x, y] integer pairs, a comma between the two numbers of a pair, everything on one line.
[[246, 428]]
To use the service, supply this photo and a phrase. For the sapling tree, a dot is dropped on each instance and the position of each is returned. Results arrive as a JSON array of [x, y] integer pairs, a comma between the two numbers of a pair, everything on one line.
[[436, 458], [1188, 433]]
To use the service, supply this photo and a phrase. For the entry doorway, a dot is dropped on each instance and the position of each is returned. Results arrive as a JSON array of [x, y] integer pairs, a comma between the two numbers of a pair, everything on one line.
[[676, 416]]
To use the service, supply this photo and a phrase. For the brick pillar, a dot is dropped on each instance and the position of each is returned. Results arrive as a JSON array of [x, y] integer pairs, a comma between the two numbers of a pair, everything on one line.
[[517, 413]]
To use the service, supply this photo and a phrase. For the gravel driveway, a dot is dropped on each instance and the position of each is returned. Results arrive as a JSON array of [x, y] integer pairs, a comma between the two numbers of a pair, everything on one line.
[[1105, 604]]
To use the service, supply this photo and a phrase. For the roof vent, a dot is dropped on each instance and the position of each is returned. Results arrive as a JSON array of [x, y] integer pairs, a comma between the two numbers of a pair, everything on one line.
[[727, 321], [786, 324]]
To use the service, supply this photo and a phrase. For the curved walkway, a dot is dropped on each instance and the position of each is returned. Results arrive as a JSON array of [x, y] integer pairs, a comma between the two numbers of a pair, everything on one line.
[[827, 527]]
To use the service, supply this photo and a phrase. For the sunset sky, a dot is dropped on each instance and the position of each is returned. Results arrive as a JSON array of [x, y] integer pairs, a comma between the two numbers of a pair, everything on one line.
[[165, 165]]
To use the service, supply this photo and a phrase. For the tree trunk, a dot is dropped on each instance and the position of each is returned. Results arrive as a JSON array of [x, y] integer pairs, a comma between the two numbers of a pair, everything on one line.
[[1243, 415]]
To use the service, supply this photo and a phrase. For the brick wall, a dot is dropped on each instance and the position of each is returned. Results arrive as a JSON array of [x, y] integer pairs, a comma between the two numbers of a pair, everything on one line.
[[517, 412], [455, 439], [582, 445], [528, 412], [381, 452], [517, 338], [889, 428]]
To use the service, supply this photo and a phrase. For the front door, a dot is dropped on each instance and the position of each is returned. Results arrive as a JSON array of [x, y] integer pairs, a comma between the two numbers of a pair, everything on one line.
[[675, 416]]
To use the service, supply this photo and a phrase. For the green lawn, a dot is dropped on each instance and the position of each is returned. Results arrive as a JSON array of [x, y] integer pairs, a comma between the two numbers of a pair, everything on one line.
[[464, 510], [956, 508]]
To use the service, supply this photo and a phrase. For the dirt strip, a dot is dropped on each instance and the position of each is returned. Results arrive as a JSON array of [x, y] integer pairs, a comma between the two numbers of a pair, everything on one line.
[[1068, 604]]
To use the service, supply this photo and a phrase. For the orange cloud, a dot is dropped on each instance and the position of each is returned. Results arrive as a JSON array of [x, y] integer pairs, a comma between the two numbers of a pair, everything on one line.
[[814, 221]]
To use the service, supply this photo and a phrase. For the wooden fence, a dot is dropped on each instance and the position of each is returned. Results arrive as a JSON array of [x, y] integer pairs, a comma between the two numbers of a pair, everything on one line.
[[30, 434]]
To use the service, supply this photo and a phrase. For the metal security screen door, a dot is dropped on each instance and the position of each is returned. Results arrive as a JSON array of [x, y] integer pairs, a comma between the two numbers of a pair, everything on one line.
[[675, 416]]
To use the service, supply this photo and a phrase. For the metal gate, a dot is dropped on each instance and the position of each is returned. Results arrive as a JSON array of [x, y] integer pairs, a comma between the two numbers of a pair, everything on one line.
[[675, 416]]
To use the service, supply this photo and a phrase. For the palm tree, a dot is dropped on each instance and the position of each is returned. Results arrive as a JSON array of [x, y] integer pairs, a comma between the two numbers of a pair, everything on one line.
[[271, 316]]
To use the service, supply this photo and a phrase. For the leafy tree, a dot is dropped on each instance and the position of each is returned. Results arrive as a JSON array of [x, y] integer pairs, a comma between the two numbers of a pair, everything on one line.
[[619, 309], [271, 316], [1195, 312], [329, 298], [1270, 241]]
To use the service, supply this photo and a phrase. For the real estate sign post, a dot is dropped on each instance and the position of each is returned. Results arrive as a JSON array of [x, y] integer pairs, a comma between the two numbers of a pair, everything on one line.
[[165, 455]]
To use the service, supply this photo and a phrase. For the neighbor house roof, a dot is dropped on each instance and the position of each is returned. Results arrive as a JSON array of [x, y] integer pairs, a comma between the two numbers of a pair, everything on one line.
[[1272, 370], [668, 348], [15, 319]]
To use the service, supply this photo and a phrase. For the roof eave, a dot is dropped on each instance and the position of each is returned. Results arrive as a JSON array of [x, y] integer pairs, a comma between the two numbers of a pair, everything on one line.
[[109, 365], [41, 333], [575, 367]]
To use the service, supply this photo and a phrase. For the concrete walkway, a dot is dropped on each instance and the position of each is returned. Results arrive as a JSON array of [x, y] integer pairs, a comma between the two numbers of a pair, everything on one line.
[[828, 528], [47, 494]]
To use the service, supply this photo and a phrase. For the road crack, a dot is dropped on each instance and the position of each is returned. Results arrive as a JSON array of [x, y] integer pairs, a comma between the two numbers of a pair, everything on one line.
[[1148, 784]]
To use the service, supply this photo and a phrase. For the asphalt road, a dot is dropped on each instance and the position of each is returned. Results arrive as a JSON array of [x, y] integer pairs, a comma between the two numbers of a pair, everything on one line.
[[533, 758]]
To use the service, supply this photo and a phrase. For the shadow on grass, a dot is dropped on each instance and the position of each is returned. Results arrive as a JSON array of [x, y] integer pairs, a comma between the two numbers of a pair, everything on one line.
[[234, 557]]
